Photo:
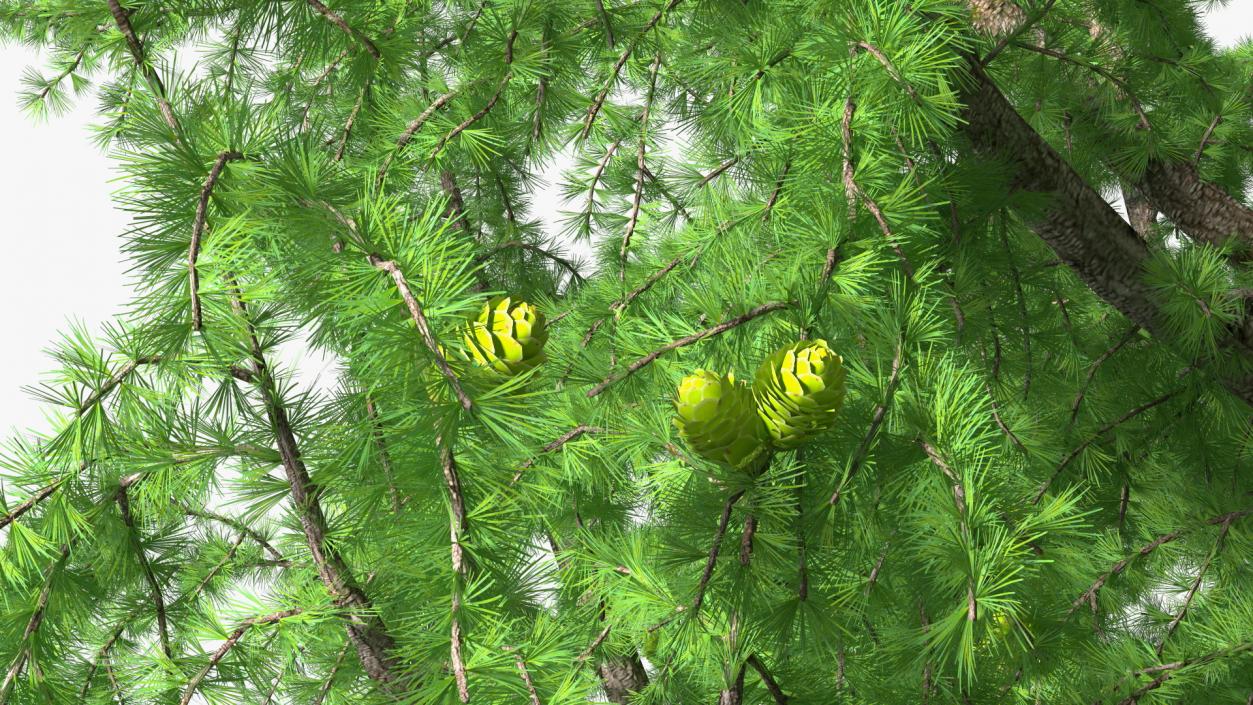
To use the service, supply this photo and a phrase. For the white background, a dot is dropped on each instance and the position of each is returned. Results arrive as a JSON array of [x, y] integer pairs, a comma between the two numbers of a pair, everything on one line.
[[60, 260]]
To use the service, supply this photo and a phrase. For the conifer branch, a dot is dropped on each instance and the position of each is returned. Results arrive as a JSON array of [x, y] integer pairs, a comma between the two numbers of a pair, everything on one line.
[[718, 171], [604, 22], [242, 528], [713, 552], [1168, 670], [520, 662], [876, 420], [1100, 433], [424, 327], [772, 686], [857, 194], [1205, 138], [410, 130], [121, 17], [1096, 365], [600, 639], [352, 118], [561, 440], [891, 70], [1196, 584], [599, 102], [641, 166], [158, 599], [487, 108], [197, 232], [317, 86], [1119, 83], [547, 254], [32, 626], [43, 493], [229, 644], [366, 631], [1022, 306], [339, 22], [684, 341], [330, 676], [385, 458]]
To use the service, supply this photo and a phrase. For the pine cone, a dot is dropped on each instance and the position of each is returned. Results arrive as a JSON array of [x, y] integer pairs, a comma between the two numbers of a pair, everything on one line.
[[717, 416], [506, 337], [799, 390]]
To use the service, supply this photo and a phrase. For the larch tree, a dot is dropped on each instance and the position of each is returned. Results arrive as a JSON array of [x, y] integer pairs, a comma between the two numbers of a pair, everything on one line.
[[950, 429]]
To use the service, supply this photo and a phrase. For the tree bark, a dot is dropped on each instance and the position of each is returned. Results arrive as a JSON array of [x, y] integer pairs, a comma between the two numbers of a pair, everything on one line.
[[621, 677], [1077, 223], [1201, 209]]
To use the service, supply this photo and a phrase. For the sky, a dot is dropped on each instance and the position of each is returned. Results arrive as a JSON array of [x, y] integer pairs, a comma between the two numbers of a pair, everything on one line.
[[61, 261]]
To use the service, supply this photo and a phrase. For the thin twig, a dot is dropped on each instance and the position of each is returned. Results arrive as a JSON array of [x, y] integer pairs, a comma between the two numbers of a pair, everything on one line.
[[158, 599], [685, 341], [1196, 584], [767, 680], [424, 327], [339, 22], [227, 645], [520, 245], [554, 445], [197, 232], [1096, 365], [637, 197], [710, 562], [121, 17], [876, 420]]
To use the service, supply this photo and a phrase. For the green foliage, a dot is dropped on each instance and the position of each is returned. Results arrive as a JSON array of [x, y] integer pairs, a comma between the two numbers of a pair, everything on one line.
[[1023, 498]]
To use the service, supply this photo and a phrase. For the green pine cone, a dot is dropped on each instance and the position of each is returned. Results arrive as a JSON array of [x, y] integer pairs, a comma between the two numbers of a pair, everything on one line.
[[799, 390], [506, 337], [717, 417]]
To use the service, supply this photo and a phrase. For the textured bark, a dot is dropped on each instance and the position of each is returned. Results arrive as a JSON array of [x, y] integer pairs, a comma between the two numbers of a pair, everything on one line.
[[1140, 212], [622, 676], [1201, 209], [1085, 232]]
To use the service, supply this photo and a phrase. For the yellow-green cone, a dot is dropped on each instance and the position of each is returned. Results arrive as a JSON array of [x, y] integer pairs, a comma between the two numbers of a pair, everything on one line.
[[717, 417], [799, 390], [507, 336]]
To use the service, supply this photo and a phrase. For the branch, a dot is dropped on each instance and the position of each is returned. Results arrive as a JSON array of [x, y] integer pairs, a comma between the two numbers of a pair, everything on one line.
[[641, 167], [713, 551], [424, 327], [876, 420], [599, 102], [197, 231], [385, 458], [32, 626], [121, 17], [491, 102], [1196, 584], [1096, 365], [330, 677], [526, 675], [520, 245], [1097, 436], [556, 444], [1167, 670], [891, 69], [1200, 208], [410, 130], [44, 492], [604, 22], [338, 21], [767, 680], [855, 192], [352, 118], [717, 172], [227, 645], [158, 599], [1135, 102], [242, 528], [685, 341]]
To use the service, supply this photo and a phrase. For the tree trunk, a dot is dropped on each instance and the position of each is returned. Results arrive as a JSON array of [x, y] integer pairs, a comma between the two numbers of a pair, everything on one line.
[[622, 676], [1201, 209], [1085, 232]]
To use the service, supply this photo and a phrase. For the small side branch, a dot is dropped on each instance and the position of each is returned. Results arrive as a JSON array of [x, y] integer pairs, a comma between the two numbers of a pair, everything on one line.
[[561, 440], [197, 233], [641, 167], [713, 551], [424, 327], [339, 22], [121, 17], [1096, 365], [768, 680], [229, 644], [1098, 436], [876, 420], [856, 193], [520, 245], [685, 341], [1196, 584], [158, 599]]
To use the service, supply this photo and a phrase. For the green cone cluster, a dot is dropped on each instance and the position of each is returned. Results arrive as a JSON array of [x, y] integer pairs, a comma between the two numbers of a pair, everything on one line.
[[799, 390], [717, 416], [507, 336]]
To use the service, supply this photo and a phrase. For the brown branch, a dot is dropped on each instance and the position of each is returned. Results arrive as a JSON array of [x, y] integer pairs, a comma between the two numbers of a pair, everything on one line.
[[121, 17], [599, 102], [491, 102], [891, 69], [520, 245], [366, 631], [424, 327], [876, 420], [746, 540], [600, 639], [1167, 670], [316, 87], [458, 527], [1200, 208], [43, 493], [227, 645], [685, 341], [352, 118], [197, 232], [1121, 85], [158, 599], [116, 379], [637, 198], [385, 458], [767, 680], [710, 562], [1100, 433], [32, 626], [778, 188], [604, 22], [856, 193], [242, 528], [717, 172], [1209, 132], [1096, 365], [410, 130], [520, 662], [1022, 306], [339, 22], [554, 445], [1196, 584], [330, 676]]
